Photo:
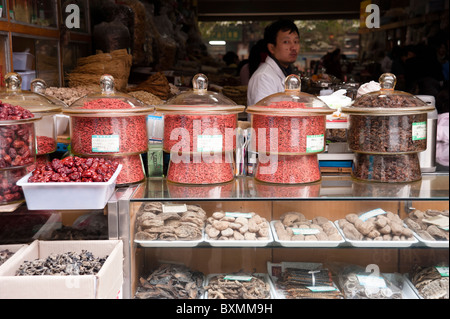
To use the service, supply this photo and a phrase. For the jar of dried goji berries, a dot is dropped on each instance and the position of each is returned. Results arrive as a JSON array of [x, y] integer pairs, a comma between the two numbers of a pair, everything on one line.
[[40, 105], [387, 130], [112, 125], [290, 122], [200, 135], [108, 122], [288, 131]]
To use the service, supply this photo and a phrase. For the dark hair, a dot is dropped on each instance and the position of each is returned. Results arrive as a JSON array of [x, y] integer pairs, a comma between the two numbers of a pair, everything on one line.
[[271, 31], [257, 55], [230, 57]]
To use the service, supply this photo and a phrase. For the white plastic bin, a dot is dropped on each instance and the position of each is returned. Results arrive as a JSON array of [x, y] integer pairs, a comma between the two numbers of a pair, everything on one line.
[[67, 196], [23, 61]]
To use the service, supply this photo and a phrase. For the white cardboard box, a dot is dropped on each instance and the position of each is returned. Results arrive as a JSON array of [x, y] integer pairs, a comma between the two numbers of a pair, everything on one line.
[[16, 249], [107, 284]]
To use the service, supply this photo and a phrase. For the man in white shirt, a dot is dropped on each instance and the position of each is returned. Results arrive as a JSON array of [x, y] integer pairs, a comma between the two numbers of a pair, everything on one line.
[[283, 44]]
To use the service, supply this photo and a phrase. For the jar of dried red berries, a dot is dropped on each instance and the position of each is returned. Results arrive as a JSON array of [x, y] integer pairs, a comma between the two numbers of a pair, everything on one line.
[[40, 105], [108, 123], [199, 120], [17, 149], [387, 130], [290, 122], [200, 135]]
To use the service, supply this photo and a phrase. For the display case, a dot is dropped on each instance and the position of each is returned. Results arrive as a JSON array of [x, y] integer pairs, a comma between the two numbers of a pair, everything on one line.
[[333, 197]]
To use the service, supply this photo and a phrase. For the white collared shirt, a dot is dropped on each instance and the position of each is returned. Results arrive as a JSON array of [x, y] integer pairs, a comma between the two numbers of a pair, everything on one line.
[[267, 80]]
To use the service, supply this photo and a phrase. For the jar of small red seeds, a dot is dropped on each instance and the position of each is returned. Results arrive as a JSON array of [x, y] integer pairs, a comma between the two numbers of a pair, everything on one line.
[[290, 122], [40, 105], [198, 125], [108, 123], [288, 169]]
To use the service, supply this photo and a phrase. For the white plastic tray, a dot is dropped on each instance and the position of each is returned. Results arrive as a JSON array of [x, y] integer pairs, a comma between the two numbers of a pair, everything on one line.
[[305, 243], [265, 277], [432, 243], [170, 243], [377, 243], [240, 243], [67, 196], [411, 286]]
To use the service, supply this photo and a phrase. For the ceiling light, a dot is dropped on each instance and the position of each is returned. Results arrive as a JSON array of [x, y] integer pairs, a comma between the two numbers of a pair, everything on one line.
[[219, 42]]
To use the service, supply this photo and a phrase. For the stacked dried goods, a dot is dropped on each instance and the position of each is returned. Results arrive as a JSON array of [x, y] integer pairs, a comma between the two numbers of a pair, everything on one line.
[[237, 226], [157, 84], [170, 281], [387, 226], [65, 264], [429, 281], [154, 224], [429, 224], [288, 133], [306, 284], [231, 287], [295, 226], [387, 130]]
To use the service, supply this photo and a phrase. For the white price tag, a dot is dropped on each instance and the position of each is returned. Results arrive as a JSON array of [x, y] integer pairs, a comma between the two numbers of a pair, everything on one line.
[[174, 208], [372, 213], [238, 278], [442, 270], [209, 143], [236, 215], [315, 143], [419, 131], [105, 143], [321, 288], [371, 281], [305, 231]]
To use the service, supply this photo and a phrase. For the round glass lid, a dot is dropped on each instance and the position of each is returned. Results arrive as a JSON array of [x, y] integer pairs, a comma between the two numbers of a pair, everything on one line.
[[387, 100], [34, 102], [290, 102], [200, 100], [107, 102]]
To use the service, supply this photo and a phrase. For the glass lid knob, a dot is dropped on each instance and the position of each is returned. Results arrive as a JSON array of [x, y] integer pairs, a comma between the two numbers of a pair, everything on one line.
[[13, 81], [200, 82], [387, 81], [292, 83], [107, 84], [38, 86]]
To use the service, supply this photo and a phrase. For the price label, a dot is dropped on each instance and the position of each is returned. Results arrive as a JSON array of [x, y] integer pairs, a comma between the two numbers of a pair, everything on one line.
[[371, 214], [371, 281], [174, 208], [105, 143], [238, 278], [419, 131], [236, 215], [315, 143], [305, 231], [442, 270], [321, 288], [209, 143]]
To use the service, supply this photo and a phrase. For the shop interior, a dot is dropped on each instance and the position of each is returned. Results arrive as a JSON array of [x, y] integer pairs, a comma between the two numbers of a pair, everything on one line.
[[170, 59]]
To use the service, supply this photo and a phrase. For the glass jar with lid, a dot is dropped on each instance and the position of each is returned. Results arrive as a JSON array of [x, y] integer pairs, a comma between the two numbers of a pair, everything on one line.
[[387, 130], [38, 104], [290, 122], [199, 120], [288, 131], [108, 122], [200, 135], [112, 125], [387, 121]]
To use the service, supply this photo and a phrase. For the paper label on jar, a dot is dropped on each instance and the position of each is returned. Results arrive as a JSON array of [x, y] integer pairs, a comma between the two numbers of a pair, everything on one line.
[[209, 143], [442, 270], [371, 214], [305, 231], [419, 131], [105, 143], [321, 288], [371, 281], [314, 143], [238, 278], [236, 215]]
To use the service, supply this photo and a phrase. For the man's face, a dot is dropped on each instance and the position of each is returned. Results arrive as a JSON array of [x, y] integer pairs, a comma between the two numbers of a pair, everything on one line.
[[286, 49]]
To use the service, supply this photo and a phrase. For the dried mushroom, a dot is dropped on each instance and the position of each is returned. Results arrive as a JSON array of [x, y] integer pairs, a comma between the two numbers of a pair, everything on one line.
[[237, 226]]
